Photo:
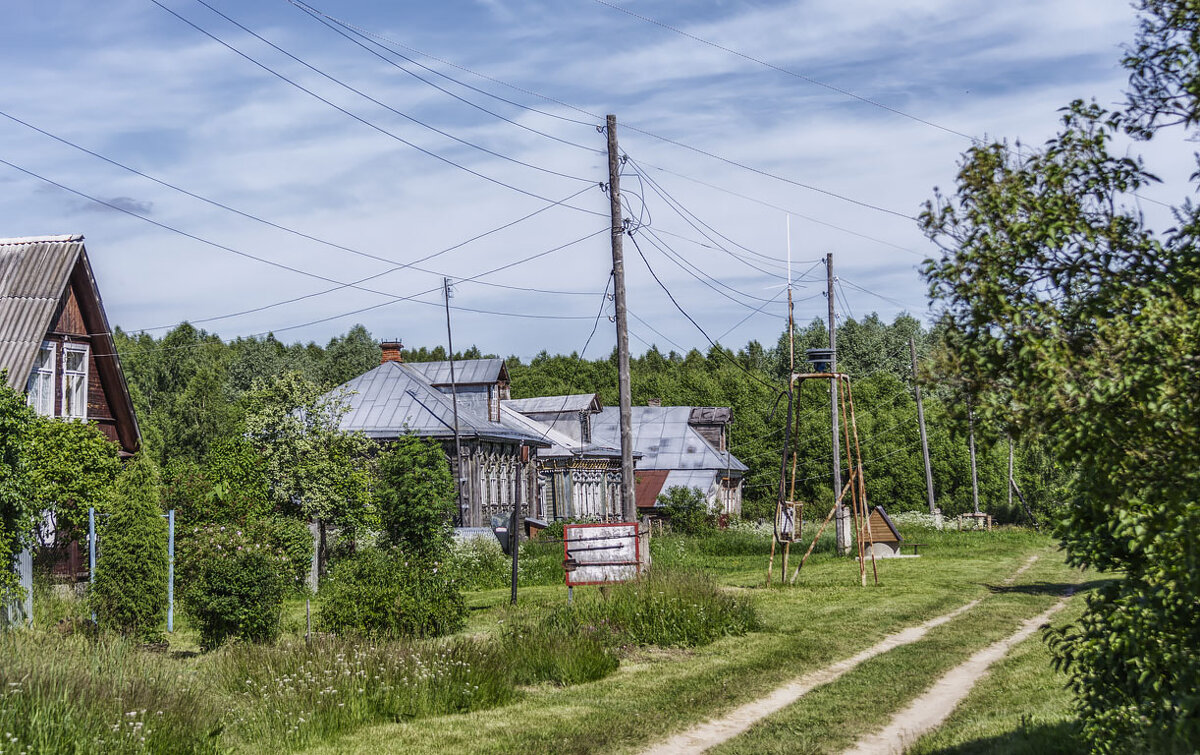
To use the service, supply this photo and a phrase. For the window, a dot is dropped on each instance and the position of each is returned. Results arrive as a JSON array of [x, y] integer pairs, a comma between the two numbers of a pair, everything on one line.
[[75, 375], [585, 427], [41, 381]]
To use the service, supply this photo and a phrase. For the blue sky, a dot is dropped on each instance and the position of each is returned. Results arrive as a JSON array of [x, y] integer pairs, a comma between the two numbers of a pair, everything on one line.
[[130, 81]]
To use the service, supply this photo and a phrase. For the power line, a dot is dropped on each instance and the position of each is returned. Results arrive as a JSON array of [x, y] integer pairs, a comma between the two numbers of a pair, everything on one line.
[[315, 15], [599, 118], [786, 71], [364, 121]]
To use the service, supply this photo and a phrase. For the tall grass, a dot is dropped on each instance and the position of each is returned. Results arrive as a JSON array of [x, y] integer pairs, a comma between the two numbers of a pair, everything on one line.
[[75, 695], [295, 694], [665, 607]]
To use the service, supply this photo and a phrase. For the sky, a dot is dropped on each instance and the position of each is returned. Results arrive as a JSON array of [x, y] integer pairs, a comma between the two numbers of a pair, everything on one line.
[[254, 167]]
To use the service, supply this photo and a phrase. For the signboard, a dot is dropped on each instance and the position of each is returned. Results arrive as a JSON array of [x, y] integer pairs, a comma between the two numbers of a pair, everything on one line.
[[597, 554]]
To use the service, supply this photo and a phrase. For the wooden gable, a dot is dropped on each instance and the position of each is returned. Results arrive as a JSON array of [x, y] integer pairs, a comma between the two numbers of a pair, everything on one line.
[[882, 529]]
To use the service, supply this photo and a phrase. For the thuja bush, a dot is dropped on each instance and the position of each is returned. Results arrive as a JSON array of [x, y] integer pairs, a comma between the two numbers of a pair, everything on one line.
[[383, 593], [236, 595], [663, 607], [129, 594]]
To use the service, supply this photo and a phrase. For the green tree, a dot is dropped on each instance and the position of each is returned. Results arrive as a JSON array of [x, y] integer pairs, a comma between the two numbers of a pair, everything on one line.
[[1070, 319], [314, 470], [129, 594], [72, 466], [415, 497], [17, 510]]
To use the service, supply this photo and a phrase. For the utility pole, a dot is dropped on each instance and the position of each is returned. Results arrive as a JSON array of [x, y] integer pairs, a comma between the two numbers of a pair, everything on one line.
[[974, 471], [628, 504], [459, 473], [912, 348], [841, 515]]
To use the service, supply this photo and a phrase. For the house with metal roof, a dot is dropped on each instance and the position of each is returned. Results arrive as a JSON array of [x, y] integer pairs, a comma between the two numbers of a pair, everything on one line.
[[680, 446], [396, 399], [55, 341], [581, 478]]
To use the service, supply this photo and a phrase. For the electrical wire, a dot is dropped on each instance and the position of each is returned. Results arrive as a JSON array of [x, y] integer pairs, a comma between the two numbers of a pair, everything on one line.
[[364, 121], [599, 119]]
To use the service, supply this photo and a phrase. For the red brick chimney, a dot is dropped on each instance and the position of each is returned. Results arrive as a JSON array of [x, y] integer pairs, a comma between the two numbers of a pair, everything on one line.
[[392, 351]]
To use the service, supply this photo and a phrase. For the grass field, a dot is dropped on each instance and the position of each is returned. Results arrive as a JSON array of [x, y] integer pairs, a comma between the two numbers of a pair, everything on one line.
[[656, 691]]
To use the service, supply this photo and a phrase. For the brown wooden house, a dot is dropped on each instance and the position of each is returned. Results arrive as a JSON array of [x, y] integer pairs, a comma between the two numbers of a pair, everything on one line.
[[55, 342]]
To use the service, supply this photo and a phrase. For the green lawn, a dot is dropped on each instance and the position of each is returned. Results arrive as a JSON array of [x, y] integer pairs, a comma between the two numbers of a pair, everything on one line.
[[655, 692], [826, 617]]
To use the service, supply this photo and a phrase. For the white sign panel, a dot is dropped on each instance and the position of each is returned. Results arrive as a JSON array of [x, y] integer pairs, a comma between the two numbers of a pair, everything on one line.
[[596, 554]]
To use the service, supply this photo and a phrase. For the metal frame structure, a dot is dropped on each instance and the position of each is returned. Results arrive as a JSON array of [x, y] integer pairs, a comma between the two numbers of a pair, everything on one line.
[[855, 486]]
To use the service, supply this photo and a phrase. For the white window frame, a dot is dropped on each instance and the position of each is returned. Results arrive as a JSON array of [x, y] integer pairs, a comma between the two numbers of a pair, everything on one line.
[[79, 348], [37, 373]]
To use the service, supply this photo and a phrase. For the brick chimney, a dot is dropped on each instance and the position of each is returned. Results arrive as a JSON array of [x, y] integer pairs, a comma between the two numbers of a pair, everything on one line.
[[654, 402], [392, 351]]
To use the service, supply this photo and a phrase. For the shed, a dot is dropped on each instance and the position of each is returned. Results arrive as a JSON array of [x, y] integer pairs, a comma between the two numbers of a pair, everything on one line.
[[885, 538]]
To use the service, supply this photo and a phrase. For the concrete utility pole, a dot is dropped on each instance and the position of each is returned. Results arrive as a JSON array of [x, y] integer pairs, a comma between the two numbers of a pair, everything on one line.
[[459, 472], [974, 471], [912, 348], [628, 504], [842, 515]]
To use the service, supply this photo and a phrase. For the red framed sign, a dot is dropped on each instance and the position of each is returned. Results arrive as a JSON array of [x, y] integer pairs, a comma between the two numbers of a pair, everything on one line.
[[598, 554]]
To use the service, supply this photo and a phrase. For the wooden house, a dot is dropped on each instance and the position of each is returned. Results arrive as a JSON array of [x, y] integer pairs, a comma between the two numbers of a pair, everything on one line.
[[55, 342]]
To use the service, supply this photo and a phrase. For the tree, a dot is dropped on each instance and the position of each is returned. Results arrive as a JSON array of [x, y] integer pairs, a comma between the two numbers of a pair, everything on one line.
[[1069, 318], [129, 593], [71, 466], [415, 497], [314, 470], [16, 508]]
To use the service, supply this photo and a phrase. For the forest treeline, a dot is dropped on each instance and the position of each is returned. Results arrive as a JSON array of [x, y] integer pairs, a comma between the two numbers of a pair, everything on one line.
[[190, 388]]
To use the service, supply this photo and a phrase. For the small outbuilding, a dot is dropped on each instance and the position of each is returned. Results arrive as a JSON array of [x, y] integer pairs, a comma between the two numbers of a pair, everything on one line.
[[885, 538]]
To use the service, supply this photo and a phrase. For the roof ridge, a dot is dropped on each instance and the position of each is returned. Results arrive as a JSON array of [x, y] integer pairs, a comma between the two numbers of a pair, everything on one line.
[[16, 240]]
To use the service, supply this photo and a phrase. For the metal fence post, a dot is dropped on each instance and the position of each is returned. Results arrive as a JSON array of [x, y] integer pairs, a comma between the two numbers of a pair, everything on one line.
[[92, 552], [171, 570]]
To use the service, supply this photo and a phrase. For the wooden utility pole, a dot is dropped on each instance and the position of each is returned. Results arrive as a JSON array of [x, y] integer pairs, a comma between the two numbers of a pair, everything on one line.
[[459, 472], [974, 470], [842, 515], [628, 504], [912, 348]]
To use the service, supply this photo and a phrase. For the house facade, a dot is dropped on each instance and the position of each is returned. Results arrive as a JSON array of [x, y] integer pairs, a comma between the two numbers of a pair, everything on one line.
[[680, 446], [55, 341], [397, 399], [580, 478]]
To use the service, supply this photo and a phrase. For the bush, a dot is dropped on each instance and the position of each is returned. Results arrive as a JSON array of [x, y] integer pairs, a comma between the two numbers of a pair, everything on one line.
[[664, 608], [415, 497], [380, 593], [292, 542], [238, 595], [129, 594], [685, 508]]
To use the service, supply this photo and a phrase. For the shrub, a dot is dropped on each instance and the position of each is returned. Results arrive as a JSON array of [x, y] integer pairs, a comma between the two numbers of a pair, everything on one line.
[[16, 510], [665, 608], [381, 593], [415, 497], [686, 509], [129, 594], [292, 542], [237, 595]]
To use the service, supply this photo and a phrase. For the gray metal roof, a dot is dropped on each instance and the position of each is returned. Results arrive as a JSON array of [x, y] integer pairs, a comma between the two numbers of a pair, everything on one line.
[[576, 402], [33, 275], [561, 444], [466, 371], [395, 399], [664, 438]]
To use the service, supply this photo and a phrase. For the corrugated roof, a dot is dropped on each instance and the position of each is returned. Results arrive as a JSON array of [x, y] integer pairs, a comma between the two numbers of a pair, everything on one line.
[[662, 435], [466, 371], [576, 402], [33, 275], [395, 399]]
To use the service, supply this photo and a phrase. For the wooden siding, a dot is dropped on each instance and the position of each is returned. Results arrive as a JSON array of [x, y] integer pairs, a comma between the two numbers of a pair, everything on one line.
[[69, 327], [880, 531]]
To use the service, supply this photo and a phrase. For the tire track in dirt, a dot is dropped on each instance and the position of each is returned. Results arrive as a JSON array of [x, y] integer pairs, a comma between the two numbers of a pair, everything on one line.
[[712, 733], [930, 710]]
